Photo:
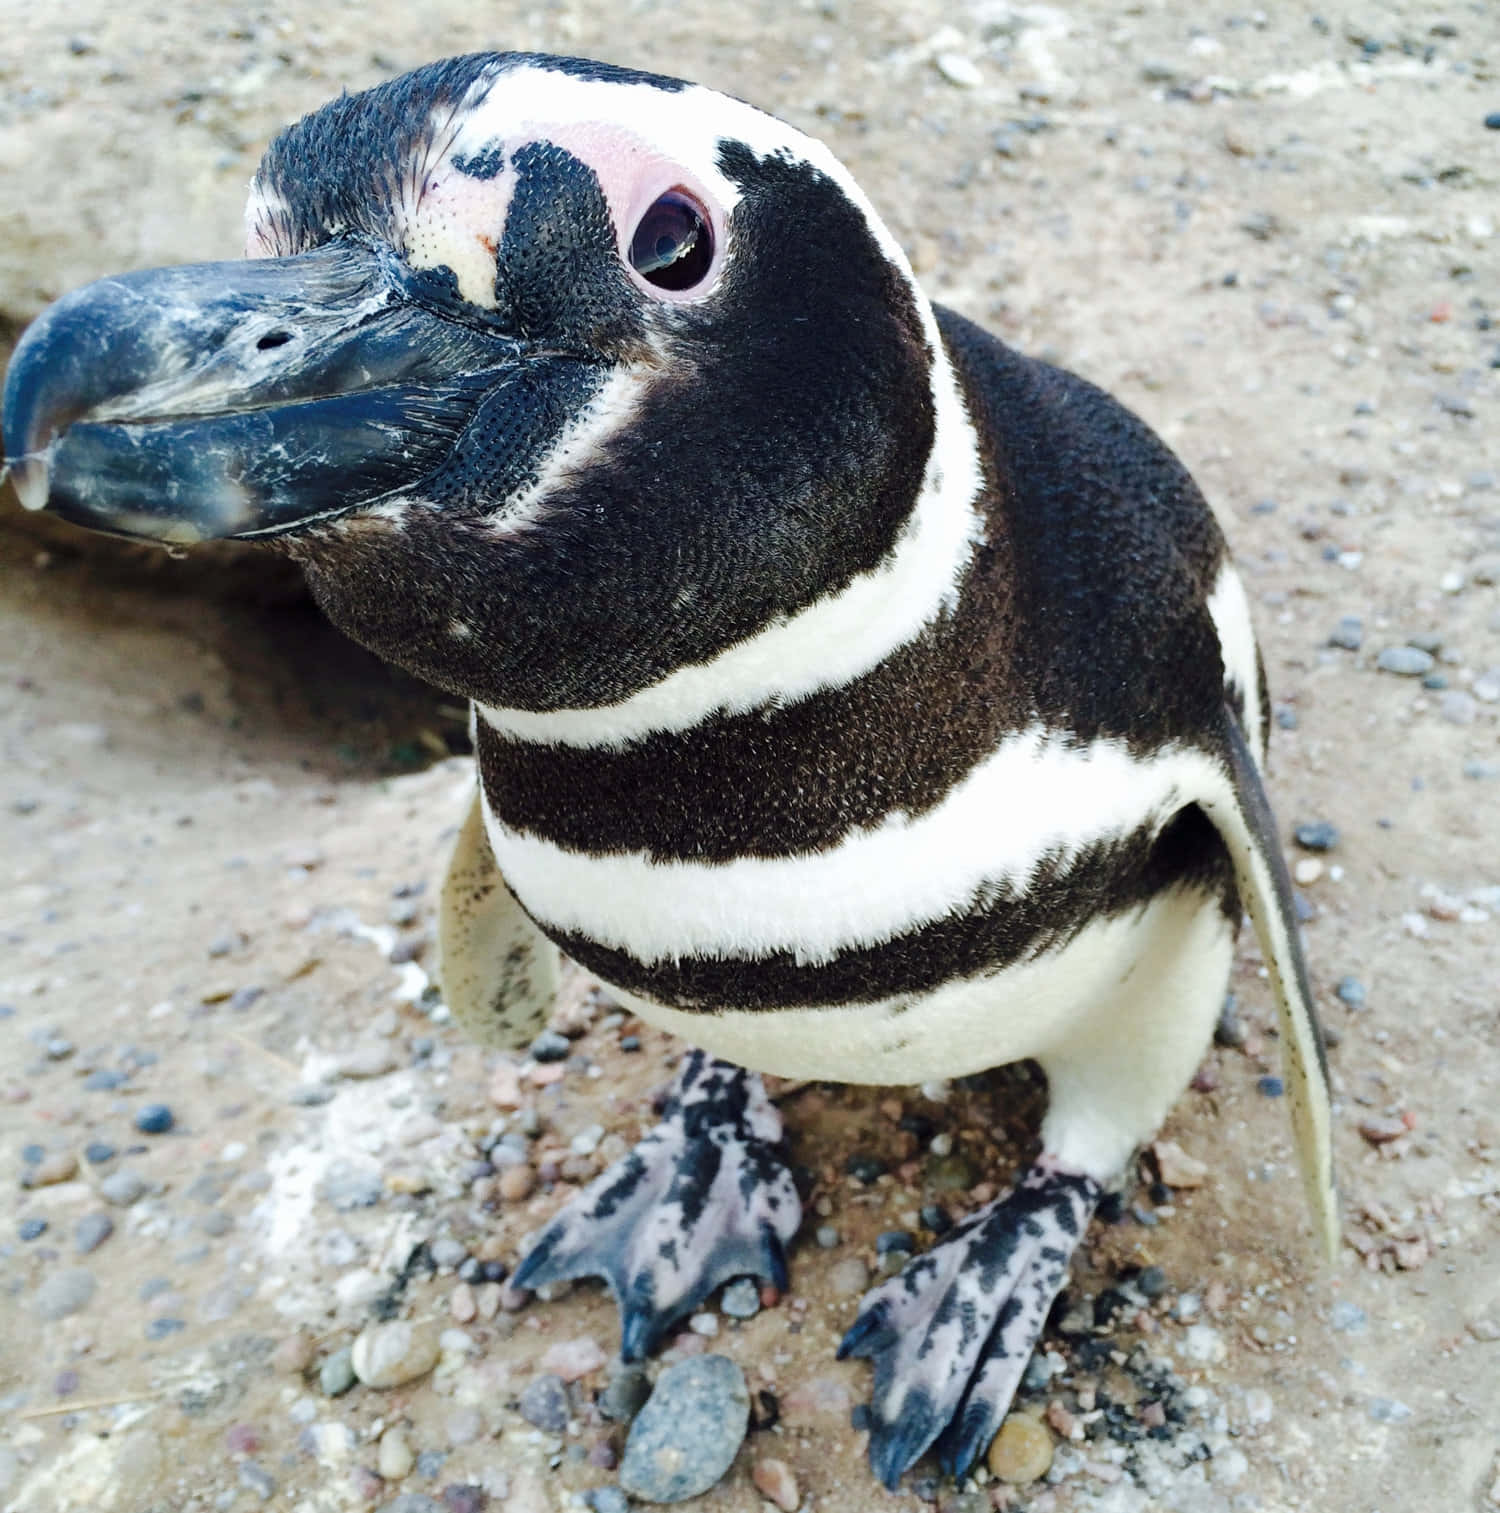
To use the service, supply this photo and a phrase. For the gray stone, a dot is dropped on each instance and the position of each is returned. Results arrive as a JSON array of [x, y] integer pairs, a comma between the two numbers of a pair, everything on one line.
[[347, 1186], [1388, 1410], [446, 1251], [550, 1046], [92, 1231], [1349, 633], [606, 1500], [64, 1293], [1405, 661], [625, 1395], [412, 1502], [688, 1434], [849, 1277], [741, 1299], [1351, 991], [544, 1402], [827, 1237], [122, 1188], [336, 1374]]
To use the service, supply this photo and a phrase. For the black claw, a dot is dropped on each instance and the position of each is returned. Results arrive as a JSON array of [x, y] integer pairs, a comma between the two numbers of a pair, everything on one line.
[[773, 1260], [533, 1264], [896, 1448], [640, 1328], [867, 1334], [961, 1443]]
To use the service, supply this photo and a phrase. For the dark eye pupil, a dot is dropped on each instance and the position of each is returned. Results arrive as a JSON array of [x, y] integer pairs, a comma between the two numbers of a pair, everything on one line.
[[672, 247]]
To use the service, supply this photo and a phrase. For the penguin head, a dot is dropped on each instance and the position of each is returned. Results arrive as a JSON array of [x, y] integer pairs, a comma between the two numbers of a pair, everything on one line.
[[554, 376]]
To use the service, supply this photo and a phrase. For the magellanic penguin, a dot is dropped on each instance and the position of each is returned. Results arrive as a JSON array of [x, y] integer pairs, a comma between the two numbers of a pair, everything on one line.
[[859, 699]]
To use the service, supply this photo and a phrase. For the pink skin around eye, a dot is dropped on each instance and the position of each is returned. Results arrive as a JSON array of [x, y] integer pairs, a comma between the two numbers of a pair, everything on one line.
[[458, 219], [633, 176]]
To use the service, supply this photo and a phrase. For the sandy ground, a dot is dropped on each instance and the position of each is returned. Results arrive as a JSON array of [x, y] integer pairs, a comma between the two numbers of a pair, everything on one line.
[[1275, 237]]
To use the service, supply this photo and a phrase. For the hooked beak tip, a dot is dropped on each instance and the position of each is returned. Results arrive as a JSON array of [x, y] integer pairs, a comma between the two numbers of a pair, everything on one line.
[[30, 476]]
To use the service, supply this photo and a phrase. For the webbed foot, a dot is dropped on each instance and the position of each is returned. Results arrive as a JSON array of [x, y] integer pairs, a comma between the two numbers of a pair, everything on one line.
[[950, 1335], [706, 1196]]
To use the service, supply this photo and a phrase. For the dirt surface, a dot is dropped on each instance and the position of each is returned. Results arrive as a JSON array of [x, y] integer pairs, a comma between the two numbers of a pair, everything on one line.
[[1271, 234]]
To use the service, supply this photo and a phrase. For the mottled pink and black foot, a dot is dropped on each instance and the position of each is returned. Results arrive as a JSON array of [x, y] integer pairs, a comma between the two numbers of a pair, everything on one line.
[[950, 1336], [706, 1196]]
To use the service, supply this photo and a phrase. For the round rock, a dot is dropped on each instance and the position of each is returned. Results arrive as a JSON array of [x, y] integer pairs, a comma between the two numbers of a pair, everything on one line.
[[689, 1432], [64, 1293], [1021, 1452], [387, 1355], [154, 1119], [544, 1403]]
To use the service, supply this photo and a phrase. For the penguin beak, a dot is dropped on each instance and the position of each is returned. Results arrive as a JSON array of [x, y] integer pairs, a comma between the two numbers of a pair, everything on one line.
[[248, 398]]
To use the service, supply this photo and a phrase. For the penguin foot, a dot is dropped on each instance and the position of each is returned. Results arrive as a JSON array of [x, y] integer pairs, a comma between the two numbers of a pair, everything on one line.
[[950, 1336], [706, 1196]]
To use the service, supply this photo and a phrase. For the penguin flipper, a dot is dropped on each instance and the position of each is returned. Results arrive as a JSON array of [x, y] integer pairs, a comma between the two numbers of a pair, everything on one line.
[[1249, 831], [499, 973], [707, 1196]]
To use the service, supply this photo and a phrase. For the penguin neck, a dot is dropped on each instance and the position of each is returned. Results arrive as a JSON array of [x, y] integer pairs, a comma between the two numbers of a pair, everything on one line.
[[832, 642]]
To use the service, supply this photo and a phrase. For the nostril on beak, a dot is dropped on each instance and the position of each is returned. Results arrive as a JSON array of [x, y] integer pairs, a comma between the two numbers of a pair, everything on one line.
[[273, 339]]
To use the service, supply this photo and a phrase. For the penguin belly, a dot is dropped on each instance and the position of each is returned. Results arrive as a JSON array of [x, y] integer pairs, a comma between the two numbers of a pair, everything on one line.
[[968, 1025]]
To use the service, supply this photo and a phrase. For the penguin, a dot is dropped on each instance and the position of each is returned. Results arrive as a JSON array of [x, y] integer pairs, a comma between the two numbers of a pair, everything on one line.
[[856, 697]]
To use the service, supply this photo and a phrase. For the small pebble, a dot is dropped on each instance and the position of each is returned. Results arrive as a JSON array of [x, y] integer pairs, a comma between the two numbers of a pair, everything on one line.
[[1388, 1410], [464, 1425], [1351, 991], [390, 1355], [827, 1237], [550, 1046], [396, 1459], [900, 1241], [849, 1277], [1316, 835], [63, 1293], [97, 1152], [242, 1439], [1348, 634], [1270, 1087], [1405, 661], [48, 1171], [1308, 870], [31, 1229], [573, 1359], [935, 1218], [1230, 1031], [705, 1324], [516, 1183], [336, 1374], [154, 1119], [122, 1188], [544, 1403], [91, 1232], [462, 1304], [467, 1497], [1021, 1452], [774, 1481], [865, 1169], [1381, 1130], [446, 1251], [689, 1432], [625, 1394], [294, 1354], [606, 1500], [741, 1299]]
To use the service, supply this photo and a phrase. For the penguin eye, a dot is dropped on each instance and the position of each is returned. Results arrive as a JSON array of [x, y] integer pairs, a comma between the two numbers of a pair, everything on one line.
[[673, 246]]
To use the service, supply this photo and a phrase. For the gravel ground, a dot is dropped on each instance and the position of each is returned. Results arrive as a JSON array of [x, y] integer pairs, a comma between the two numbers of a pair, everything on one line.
[[257, 1202]]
